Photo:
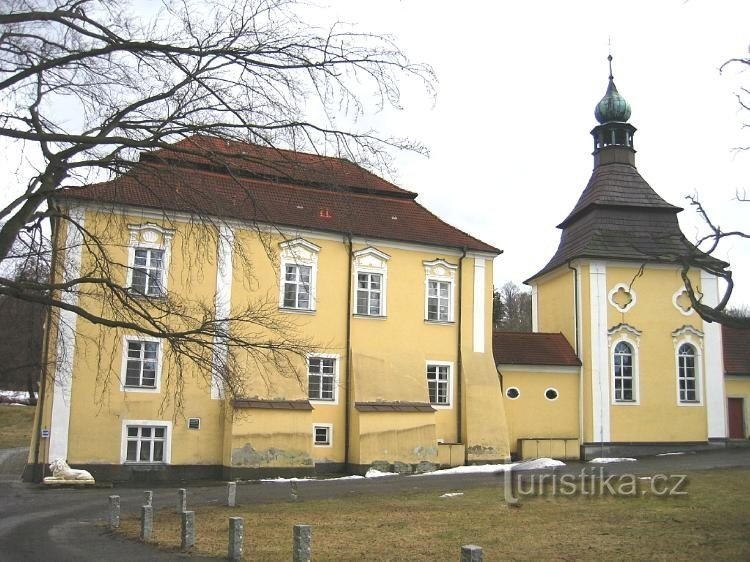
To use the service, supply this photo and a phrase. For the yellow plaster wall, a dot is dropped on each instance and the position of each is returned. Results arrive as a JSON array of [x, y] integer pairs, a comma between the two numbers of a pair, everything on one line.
[[658, 417], [555, 303], [263, 438], [739, 387], [396, 436], [531, 415]]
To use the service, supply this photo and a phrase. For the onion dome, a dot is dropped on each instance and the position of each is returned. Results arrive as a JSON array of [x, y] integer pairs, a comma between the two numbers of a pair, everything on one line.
[[612, 107]]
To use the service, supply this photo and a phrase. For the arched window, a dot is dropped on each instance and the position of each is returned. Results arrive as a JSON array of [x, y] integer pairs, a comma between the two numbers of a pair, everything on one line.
[[624, 373], [687, 377]]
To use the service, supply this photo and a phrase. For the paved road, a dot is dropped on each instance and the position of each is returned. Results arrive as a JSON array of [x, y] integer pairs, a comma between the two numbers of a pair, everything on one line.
[[67, 524]]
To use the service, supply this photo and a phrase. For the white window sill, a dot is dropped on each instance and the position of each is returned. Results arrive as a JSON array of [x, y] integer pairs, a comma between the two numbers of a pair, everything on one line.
[[370, 316], [289, 310], [439, 322], [152, 390]]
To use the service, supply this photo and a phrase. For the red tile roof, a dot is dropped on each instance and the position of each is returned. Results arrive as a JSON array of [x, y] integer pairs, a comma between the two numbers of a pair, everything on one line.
[[282, 188], [525, 348], [736, 344]]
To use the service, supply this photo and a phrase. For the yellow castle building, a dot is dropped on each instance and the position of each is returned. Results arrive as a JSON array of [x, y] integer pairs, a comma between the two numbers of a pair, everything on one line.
[[394, 305], [402, 369]]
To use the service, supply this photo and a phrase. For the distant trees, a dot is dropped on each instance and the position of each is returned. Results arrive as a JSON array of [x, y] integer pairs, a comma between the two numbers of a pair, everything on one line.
[[511, 308]]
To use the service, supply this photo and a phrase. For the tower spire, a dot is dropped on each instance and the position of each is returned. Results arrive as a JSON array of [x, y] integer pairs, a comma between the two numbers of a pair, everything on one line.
[[613, 137]]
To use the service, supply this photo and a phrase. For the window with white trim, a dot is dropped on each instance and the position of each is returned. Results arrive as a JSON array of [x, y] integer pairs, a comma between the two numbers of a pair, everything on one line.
[[370, 278], [297, 279], [321, 378], [624, 372], [146, 444], [369, 294], [323, 435], [439, 290], [148, 259], [299, 264], [687, 374], [439, 384], [142, 362]]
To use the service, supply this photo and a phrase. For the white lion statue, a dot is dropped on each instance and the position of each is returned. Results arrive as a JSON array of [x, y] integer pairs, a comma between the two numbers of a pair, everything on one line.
[[61, 472]]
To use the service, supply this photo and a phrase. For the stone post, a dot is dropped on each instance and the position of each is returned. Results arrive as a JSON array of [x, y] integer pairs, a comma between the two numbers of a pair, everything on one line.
[[293, 492], [302, 536], [148, 498], [236, 537], [471, 553], [147, 522], [231, 494], [181, 500], [114, 512], [187, 530]]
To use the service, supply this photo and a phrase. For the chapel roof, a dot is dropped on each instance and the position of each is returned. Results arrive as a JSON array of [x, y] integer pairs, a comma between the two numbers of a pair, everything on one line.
[[736, 346], [533, 348]]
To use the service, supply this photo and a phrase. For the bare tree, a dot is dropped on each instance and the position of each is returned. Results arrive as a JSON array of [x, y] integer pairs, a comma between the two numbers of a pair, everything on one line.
[[512, 308], [87, 84]]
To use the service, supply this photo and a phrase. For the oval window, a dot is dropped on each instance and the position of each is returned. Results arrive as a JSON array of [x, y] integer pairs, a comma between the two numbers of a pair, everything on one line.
[[512, 393], [551, 394]]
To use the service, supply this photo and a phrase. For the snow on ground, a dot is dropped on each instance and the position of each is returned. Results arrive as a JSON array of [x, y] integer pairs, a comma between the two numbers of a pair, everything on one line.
[[668, 454], [14, 397], [493, 468], [452, 494], [372, 473], [606, 460]]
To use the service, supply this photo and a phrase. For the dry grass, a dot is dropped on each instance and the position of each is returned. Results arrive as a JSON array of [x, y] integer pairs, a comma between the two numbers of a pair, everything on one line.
[[709, 523], [15, 425]]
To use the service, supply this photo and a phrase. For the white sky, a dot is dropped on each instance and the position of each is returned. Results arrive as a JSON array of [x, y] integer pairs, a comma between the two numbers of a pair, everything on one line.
[[518, 82]]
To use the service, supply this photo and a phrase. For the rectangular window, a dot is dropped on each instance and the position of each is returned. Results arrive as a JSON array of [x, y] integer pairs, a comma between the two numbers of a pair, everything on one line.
[[297, 280], [146, 443], [438, 384], [322, 435], [369, 293], [321, 378], [148, 271], [438, 300], [142, 364]]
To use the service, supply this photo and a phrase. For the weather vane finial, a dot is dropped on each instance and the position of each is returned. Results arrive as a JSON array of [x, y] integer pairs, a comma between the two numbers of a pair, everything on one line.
[[609, 57]]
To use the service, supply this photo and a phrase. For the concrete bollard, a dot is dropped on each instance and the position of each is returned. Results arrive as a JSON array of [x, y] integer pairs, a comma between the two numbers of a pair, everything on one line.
[[148, 498], [181, 500], [147, 522], [302, 541], [187, 530], [471, 553], [231, 494], [294, 492], [114, 512], [236, 537]]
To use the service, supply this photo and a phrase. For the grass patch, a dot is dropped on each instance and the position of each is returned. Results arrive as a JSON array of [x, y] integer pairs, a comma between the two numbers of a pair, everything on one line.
[[709, 523], [15, 425]]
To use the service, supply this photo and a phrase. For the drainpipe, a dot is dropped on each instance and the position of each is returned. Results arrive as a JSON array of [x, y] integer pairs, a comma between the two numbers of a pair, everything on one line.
[[44, 378], [459, 361], [348, 347]]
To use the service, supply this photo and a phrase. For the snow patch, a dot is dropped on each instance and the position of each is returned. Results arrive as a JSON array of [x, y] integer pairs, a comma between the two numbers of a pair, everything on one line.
[[606, 460], [373, 473], [15, 397], [452, 494], [534, 464], [669, 454]]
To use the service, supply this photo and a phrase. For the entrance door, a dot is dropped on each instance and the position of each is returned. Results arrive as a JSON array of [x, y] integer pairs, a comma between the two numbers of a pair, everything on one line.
[[736, 411]]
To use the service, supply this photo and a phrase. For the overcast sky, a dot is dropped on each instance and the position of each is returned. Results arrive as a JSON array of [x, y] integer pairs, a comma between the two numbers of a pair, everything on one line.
[[518, 82]]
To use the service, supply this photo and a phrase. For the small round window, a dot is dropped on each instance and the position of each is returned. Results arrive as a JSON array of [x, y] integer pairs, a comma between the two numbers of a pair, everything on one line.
[[551, 394], [512, 393]]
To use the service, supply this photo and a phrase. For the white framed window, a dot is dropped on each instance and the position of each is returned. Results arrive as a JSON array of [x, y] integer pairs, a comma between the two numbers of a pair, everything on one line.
[[323, 435], [141, 364], [299, 270], [146, 441], [148, 259], [439, 290], [551, 394], [322, 378], [370, 282], [623, 370], [513, 393], [440, 383], [688, 342]]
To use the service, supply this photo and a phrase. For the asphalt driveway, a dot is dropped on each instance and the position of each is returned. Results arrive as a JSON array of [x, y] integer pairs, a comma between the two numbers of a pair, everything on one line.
[[68, 524]]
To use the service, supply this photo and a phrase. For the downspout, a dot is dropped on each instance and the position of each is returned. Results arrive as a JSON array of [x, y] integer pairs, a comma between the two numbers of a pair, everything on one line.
[[348, 347], [577, 342], [459, 361], [38, 474]]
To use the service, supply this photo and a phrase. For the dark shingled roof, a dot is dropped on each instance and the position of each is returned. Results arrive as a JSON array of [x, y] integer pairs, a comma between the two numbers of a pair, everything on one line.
[[272, 404], [533, 348], [208, 176], [736, 344], [619, 216]]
